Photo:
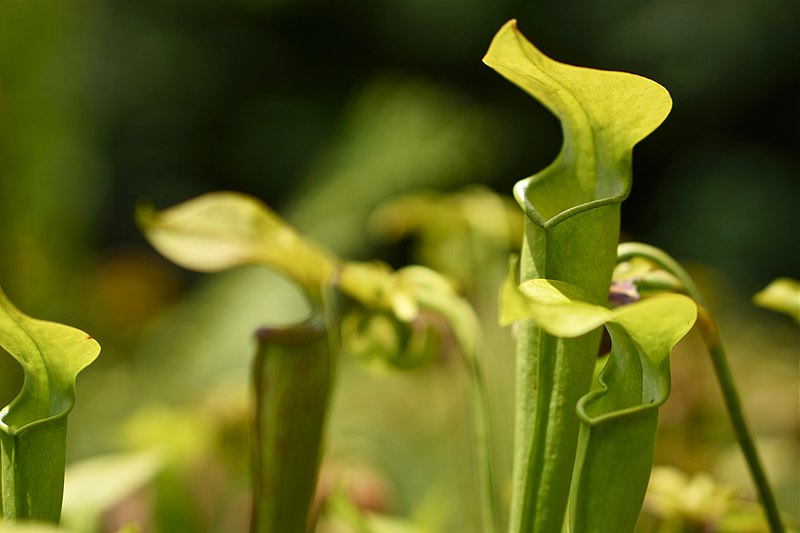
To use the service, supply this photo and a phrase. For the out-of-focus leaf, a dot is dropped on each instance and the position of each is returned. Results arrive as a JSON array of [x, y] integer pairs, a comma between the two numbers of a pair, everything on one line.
[[400, 135], [395, 305], [93, 485], [474, 208], [781, 295], [679, 501], [466, 235], [376, 285], [221, 230], [381, 341], [407, 294], [30, 528]]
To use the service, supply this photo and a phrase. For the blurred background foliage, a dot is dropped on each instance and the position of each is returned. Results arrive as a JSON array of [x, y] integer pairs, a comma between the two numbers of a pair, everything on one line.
[[326, 110]]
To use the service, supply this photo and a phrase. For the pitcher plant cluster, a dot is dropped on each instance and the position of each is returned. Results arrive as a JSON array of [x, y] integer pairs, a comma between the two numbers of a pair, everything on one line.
[[585, 427]]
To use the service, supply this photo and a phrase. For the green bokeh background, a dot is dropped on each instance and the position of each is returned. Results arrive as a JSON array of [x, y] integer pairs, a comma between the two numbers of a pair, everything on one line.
[[324, 109]]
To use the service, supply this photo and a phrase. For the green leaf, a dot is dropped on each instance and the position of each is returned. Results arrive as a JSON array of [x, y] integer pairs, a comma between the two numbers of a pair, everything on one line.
[[781, 295], [559, 308], [92, 486], [400, 321], [562, 310], [33, 426], [221, 230], [603, 114]]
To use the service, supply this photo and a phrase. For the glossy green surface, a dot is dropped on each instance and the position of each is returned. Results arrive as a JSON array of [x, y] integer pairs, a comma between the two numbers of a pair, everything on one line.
[[572, 210], [33, 427]]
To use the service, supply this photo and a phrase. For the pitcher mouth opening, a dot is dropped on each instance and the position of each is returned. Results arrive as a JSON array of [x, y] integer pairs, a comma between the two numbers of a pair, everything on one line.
[[522, 190]]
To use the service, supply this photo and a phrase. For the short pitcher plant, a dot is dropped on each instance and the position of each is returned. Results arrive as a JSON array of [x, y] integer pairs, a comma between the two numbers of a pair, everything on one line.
[[368, 309]]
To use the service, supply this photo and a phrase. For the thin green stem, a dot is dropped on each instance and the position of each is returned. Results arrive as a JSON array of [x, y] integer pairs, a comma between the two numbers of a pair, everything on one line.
[[709, 331], [465, 327], [482, 442]]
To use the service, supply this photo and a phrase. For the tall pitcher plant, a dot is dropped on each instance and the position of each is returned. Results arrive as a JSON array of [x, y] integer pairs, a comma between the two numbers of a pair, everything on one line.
[[584, 446]]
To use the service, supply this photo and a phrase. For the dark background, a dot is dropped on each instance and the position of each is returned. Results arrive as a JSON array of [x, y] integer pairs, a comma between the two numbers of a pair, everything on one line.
[[325, 109], [102, 105]]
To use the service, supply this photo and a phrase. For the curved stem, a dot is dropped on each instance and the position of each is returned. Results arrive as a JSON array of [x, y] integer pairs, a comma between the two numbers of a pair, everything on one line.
[[709, 331], [465, 327], [482, 441]]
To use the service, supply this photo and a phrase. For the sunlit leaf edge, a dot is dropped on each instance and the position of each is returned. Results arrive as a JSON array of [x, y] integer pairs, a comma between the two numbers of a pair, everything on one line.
[[519, 61], [781, 295], [559, 313], [83, 350]]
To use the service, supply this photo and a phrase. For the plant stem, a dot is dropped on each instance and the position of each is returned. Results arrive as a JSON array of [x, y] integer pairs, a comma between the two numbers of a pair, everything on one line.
[[482, 440], [709, 331], [465, 327]]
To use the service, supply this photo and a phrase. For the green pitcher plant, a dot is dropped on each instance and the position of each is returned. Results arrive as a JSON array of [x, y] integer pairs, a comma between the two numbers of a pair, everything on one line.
[[585, 426], [584, 444], [393, 318], [293, 365], [572, 210], [292, 380], [618, 418], [33, 427]]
